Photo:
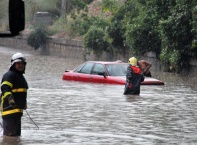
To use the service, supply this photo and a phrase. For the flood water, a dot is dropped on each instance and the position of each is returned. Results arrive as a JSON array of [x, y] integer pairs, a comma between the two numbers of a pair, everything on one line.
[[82, 113]]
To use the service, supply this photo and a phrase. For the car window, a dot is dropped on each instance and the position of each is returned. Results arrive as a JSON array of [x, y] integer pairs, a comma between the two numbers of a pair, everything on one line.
[[117, 69], [98, 68], [86, 69], [78, 69]]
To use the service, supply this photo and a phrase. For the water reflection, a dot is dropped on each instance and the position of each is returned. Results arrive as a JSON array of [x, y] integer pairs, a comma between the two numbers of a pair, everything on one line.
[[83, 113], [11, 141], [132, 98]]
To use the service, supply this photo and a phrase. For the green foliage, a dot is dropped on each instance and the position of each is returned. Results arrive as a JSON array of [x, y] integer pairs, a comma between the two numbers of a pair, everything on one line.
[[141, 30], [174, 58], [165, 27], [74, 7], [164, 56], [170, 58], [177, 36], [96, 40], [81, 26], [194, 32], [111, 6], [88, 1], [143, 40], [58, 26], [113, 33], [116, 31], [37, 38]]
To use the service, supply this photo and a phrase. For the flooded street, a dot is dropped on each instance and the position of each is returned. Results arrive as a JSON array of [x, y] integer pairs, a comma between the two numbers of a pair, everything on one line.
[[83, 113]]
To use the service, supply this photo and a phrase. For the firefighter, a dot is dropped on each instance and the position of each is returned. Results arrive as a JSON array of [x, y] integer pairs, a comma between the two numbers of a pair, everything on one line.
[[134, 77], [13, 96]]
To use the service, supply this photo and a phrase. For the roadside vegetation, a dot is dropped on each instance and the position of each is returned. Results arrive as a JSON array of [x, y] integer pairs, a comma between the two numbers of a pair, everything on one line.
[[167, 27]]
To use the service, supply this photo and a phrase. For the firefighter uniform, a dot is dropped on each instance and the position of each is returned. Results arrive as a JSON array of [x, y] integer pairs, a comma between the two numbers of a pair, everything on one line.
[[134, 78], [14, 86]]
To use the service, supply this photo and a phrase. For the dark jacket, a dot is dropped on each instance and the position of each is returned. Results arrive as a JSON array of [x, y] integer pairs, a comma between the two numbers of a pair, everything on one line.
[[13, 83], [133, 80]]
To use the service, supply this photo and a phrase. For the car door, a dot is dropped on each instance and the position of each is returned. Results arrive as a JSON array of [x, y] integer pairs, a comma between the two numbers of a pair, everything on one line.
[[98, 74]]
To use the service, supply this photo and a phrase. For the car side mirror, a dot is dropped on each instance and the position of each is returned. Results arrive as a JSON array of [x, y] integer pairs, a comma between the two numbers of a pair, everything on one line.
[[16, 18], [102, 73]]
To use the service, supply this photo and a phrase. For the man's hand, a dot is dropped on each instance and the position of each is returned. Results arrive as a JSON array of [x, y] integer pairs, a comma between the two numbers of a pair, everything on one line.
[[11, 101], [25, 107]]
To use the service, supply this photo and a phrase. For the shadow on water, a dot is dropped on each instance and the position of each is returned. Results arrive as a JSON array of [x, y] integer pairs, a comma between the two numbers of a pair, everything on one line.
[[70, 112]]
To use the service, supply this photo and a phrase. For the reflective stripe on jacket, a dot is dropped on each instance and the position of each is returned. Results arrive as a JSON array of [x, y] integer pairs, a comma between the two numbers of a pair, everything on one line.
[[13, 83]]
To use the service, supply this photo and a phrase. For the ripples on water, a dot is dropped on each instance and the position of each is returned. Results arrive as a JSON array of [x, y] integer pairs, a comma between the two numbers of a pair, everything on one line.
[[82, 113]]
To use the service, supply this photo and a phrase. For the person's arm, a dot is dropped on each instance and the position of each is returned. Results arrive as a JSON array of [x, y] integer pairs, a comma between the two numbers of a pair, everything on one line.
[[148, 65], [129, 73], [6, 89], [128, 79]]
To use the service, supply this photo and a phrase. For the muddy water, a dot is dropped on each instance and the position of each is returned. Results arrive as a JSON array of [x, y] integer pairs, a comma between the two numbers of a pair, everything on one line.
[[82, 113]]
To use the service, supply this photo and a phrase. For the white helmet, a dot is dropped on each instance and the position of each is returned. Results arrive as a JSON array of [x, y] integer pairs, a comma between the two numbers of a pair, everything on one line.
[[18, 57]]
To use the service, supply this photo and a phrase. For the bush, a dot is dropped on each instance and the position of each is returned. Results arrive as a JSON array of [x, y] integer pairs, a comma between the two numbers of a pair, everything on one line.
[[96, 40], [37, 38]]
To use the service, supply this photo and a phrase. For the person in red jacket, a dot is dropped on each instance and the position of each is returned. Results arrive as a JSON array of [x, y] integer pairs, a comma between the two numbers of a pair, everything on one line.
[[134, 77], [13, 96]]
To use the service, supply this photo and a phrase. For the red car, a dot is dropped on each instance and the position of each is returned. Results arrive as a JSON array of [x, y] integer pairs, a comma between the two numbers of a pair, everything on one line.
[[104, 72]]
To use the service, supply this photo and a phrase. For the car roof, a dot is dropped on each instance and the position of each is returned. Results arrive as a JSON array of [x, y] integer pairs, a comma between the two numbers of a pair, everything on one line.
[[108, 62]]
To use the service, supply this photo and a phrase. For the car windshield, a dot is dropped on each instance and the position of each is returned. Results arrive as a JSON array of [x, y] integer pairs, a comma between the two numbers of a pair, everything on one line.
[[117, 69]]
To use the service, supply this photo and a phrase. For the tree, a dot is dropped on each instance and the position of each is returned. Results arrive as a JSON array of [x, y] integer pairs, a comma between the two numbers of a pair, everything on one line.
[[116, 27], [141, 29], [177, 36], [96, 40]]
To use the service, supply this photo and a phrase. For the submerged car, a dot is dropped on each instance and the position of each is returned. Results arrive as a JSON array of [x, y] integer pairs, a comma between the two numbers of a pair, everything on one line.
[[104, 72]]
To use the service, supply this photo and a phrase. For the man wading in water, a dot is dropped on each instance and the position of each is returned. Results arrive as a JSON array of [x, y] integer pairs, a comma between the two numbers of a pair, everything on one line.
[[145, 66], [13, 98], [134, 77]]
